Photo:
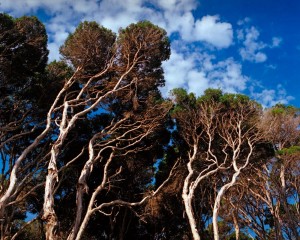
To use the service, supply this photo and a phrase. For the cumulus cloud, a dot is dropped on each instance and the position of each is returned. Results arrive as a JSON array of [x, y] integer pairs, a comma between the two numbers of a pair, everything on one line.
[[228, 76], [211, 30], [114, 14], [208, 29], [176, 71], [21, 7], [197, 82], [197, 72], [188, 67], [175, 16]]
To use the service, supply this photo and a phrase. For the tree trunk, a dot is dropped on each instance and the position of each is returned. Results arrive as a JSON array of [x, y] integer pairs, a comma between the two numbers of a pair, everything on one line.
[[188, 203], [123, 228], [277, 222], [81, 189], [187, 199], [218, 203], [49, 215], [84, 223], [190, 216], [79, 206], [2, 230], [90, 210], [236, 225]]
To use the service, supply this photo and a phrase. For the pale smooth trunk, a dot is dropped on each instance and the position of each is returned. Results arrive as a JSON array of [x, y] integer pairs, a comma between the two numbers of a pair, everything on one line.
[[218, 203], [187, 198], [190, 216]]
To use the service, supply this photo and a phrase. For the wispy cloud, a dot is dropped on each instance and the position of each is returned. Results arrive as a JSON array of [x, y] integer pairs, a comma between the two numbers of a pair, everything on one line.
[[276, 42], [270, 97], [252, 47]]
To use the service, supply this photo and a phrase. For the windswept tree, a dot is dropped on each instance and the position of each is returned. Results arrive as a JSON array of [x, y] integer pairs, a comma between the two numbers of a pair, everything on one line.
[[23, 58], [221, 133], [89, 149], [114, 79], [280, 125], [266, 196]]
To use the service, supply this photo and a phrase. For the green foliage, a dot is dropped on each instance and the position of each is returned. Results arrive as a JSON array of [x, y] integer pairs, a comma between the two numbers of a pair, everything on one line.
[[23, 56], [149, 45], [234, 99], [32, 232], [281, 109], [181, 96], [57, 72], [182, 100], [243, 236], [211, 94], [289, 151]]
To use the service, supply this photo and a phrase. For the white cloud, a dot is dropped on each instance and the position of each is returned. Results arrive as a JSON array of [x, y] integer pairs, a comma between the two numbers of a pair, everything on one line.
[[198, 82], [114, 14], [21, 7], [244, 21], [176, 71], [272, 66], [192, 69], [199, 71], [251, 49], [53, 51], [175, 16], [210, 30], [84, 6], [227, 75], [276, 41], [270, 97], [176, 6]]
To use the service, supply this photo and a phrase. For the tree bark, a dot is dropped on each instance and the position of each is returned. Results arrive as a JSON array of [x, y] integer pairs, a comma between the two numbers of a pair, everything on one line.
[[187, 198], [218, 204], [236, 225], [190, 215], [49, 215]]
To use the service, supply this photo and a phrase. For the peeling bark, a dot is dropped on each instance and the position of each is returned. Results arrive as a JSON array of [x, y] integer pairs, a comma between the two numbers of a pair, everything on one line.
[[49, 215]]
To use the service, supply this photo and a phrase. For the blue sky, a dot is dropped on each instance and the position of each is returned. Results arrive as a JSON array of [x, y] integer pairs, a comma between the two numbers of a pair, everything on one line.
[[244, 46]]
